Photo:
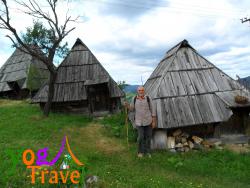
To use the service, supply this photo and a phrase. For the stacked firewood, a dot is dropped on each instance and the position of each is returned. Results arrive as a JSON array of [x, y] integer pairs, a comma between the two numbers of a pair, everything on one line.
[[241, 99], [180, 141]]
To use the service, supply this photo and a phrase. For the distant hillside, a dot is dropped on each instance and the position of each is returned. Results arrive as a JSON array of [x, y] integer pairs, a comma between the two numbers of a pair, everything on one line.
[[245, 81], [131, 88]]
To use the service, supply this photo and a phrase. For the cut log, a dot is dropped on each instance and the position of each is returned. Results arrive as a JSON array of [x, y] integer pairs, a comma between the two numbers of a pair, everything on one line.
[[197, 139], [179, 145], [183, 140], [185, 135], [185, 144], [207, 144], [178, 139], [177, 132], [190, 144], [171, 142]]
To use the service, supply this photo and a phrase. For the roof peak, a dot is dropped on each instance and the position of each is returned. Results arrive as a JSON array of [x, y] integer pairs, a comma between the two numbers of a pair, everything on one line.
[[79, 42], [184, 43]]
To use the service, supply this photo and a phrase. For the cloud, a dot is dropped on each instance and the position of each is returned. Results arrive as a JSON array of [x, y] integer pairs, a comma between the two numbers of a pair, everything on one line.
[[234, 61], [125, 69], [130, 37], [128, 9]]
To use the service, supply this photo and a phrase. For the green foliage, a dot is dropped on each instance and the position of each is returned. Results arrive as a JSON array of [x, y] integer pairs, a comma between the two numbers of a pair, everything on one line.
[[130, 96], [176, 162], [122, 84], [39, 35], [34, 79], [115, 126]]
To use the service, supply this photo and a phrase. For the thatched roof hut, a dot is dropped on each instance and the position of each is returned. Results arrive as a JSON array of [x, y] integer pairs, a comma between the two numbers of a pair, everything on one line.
[[82, 84], [188, 90], [21, 75]]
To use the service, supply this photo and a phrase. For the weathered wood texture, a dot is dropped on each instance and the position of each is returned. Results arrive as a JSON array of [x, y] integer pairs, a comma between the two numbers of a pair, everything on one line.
[[189, 90], [159, 139], [79, 70], [190, 110], [24, 70], [228, 97], [70, 107]]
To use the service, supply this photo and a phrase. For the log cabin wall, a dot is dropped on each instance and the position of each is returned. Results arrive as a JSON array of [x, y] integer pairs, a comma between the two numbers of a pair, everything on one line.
[[83, 107], [238, 123], [115, 105], [76, 107], [16, 94], [98, 97]]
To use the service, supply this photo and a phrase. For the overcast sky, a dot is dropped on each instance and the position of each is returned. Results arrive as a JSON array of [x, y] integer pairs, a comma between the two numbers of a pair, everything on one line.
[[130, 37]]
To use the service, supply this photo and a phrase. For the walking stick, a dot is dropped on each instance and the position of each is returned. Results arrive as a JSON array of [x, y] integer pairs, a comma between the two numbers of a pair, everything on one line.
[[126, 123]]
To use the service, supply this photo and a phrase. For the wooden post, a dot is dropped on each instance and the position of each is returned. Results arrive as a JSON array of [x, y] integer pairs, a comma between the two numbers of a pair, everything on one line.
[[246, 122]]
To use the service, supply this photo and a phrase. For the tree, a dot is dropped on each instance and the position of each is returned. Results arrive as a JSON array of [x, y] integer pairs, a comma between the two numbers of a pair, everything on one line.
[[57, 32], [122, 84], [42, 37]]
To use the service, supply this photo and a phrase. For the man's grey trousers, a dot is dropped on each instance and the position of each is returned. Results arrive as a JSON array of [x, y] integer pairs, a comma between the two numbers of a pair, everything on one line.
[[144, 138]]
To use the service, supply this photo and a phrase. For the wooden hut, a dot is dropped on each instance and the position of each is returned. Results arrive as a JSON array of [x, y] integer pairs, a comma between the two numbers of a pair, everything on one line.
[[21, 75], [82, 85], [193, 94]]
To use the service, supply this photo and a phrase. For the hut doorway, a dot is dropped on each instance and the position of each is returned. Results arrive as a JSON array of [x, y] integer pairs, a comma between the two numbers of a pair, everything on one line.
[[15, 87], [238, 123], [98, 96]]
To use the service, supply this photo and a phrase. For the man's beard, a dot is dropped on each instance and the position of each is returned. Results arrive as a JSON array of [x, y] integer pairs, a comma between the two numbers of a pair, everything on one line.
[[140, 95]]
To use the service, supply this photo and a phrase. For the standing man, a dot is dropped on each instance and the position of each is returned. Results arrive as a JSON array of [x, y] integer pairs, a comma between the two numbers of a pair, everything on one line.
[[145, 120]]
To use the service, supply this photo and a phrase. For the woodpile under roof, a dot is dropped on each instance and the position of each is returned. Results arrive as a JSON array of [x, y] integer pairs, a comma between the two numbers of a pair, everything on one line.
[[189, 90], [78, 70], [27, 71]]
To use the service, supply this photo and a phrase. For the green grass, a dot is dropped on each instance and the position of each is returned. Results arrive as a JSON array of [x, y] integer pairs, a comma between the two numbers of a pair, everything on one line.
[[102, 145], [129, 96]]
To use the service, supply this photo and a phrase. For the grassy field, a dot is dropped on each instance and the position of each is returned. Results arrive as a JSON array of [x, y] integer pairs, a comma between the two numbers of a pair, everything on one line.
[[101, 144]]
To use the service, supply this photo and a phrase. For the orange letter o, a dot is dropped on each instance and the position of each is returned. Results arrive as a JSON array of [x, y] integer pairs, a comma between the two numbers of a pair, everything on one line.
[[31, 161]]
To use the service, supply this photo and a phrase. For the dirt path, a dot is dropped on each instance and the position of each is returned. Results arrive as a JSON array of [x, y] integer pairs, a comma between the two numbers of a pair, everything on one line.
[[92, 136], [6, 102]]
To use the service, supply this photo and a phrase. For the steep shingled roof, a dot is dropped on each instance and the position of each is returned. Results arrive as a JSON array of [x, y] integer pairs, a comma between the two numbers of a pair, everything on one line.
[[190, 90], [79, 69], [27, 71]]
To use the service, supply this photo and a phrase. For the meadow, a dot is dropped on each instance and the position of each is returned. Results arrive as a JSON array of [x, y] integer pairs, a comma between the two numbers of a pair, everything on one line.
[[101, 145]]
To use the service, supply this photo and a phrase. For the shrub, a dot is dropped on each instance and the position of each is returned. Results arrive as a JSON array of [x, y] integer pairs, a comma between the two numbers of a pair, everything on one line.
[[115, 126]]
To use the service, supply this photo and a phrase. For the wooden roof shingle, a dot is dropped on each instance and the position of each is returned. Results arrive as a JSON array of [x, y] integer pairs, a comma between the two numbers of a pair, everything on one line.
[[190, 90], [79, 69], [18, 68]]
